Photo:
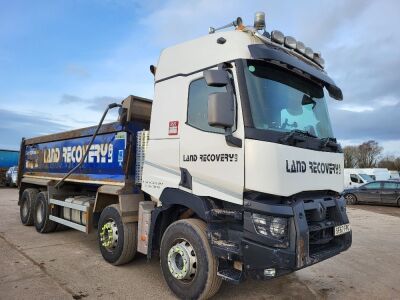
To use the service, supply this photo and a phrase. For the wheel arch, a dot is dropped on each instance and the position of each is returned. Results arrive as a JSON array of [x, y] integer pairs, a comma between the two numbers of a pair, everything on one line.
[[176, 204], [352, 194]]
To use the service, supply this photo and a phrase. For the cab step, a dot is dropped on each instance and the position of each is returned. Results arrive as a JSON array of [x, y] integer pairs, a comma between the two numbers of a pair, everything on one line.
[[231, 275]]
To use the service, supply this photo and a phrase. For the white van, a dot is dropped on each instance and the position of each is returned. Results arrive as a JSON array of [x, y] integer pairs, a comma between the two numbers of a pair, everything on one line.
[[377, 173], [394, 175], [355, 177]]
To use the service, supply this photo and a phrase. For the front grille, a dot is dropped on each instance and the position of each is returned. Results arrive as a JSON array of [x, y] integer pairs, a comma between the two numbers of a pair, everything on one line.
[[321, 223]]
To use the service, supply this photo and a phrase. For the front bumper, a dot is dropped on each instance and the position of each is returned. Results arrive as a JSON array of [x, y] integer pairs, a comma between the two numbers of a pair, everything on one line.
[[310, 234]]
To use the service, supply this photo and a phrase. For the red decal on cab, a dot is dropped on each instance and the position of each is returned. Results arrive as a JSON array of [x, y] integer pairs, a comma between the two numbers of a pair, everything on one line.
[[173, 128]]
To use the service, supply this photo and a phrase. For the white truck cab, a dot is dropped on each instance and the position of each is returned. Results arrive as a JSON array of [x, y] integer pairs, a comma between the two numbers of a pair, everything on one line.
[[241, 120]]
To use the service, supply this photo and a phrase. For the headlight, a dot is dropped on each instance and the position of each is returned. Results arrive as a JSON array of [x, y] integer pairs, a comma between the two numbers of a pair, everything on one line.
[[274, 227]]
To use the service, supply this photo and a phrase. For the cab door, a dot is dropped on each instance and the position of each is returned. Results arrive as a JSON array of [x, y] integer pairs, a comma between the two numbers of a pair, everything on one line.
[[215, 168]]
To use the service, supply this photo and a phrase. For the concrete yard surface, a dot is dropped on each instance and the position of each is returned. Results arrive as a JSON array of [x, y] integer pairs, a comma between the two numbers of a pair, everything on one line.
[[68, 265]]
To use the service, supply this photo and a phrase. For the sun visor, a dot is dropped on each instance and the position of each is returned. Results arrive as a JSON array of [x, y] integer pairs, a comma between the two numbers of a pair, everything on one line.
[[264, 52]]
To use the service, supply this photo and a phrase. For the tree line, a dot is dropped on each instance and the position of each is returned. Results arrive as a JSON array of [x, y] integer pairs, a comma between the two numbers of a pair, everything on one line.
[[369, 155]]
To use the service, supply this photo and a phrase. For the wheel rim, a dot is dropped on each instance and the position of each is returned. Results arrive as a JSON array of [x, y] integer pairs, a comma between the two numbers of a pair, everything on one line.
[[25, 209], [350, 199], [182, 261], [39, 212], [109, 235]]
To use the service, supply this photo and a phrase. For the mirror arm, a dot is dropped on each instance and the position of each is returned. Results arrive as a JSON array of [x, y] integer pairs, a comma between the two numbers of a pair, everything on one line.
[[231, 140]]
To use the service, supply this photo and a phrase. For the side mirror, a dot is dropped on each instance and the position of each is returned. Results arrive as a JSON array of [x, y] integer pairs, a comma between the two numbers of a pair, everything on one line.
[[221, 111], [216, 78]]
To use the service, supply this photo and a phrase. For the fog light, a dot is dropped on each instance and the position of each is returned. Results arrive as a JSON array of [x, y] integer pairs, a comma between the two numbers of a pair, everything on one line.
[[269, 272]]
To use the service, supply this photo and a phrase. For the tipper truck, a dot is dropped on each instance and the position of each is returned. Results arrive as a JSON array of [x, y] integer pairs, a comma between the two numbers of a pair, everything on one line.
[[231, 172]]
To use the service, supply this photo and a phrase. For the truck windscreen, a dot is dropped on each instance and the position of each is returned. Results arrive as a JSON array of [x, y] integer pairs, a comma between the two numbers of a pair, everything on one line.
[[282, 101]]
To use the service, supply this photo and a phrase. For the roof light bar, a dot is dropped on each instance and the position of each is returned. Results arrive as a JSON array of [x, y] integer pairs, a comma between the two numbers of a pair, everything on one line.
[[277, 36], [319, 60], [300, 47], [309, 53], [290, 42]]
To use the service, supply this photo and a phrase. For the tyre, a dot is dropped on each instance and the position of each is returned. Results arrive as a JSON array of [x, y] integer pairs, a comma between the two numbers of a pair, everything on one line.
[[41, 214], [117, 240], [187, 263], [27, 206], [350, 199]]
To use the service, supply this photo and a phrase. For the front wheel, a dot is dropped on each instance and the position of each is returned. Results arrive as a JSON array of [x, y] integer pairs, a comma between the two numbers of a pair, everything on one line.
[[117, 240], [187, 263], [350, 199]]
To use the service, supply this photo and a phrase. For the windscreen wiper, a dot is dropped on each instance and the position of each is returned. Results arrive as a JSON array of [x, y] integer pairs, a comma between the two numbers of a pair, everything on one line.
[[330, 142], [295, 136]]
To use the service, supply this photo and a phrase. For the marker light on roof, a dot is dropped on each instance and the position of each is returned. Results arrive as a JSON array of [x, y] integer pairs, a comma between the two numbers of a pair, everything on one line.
[[300, 47], [309, 53], [277, 36], [290, 42]]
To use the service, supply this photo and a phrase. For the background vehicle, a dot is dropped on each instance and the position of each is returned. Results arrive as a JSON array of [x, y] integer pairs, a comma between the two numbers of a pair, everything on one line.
[[11, 176], [377, 192], [355, 178], [377, 173], [8, 158], [208, 175], [394, 175]]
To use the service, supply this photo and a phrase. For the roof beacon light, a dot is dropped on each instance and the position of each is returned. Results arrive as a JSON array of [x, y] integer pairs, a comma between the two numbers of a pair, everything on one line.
[[238, 23], [259, 20], [290, 42], [309, 53], [300, 47], [277, 36], [319, 60]]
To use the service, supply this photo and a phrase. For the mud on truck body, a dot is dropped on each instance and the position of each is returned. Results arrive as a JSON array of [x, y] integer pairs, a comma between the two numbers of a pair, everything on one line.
[[232, 171]]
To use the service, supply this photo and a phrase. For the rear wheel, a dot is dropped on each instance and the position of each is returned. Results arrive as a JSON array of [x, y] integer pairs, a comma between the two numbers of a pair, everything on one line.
[[117, 240], [187, 263], [42, 213], [27, 206], [350, 199]]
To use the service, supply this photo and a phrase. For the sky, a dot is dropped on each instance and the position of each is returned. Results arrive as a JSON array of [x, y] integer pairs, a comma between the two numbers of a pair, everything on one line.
[[62, 62]]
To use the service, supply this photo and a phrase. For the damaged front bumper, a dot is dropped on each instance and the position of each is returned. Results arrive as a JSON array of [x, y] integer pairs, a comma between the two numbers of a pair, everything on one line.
[[310, 236]]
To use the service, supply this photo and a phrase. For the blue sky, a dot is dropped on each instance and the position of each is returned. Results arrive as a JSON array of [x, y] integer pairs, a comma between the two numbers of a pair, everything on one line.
[[61, 62]]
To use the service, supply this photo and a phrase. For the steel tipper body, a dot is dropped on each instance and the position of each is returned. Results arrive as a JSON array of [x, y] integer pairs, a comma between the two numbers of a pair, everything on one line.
[[236, 173]]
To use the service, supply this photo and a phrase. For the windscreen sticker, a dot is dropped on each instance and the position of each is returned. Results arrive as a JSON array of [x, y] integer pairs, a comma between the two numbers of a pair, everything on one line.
[[173, 128]]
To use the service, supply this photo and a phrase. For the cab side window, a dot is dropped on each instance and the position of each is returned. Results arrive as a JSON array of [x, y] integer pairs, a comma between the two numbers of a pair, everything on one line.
[[198, 105]]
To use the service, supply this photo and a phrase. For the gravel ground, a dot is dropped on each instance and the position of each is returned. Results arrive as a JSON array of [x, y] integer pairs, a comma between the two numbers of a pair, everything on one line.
[[68, 265]]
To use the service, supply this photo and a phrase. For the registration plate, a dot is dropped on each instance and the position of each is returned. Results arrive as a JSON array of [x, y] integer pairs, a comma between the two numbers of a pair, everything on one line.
[[342, 229]]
